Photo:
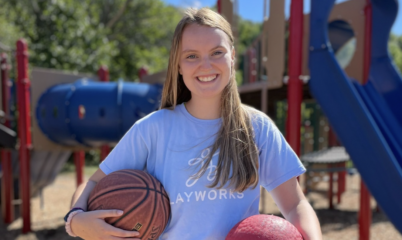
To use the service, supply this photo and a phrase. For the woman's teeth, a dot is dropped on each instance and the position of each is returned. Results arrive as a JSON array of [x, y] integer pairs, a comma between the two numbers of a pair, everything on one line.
[[207, 79]]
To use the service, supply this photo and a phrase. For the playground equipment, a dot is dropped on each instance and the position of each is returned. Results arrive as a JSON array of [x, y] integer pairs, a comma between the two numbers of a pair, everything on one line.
[[358, 93], [367, 119], [369, 128], [93, 113], [70, 113]]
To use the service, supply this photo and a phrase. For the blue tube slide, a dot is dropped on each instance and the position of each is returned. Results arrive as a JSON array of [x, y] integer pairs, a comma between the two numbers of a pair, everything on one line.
[[94, 113], [365, 118]]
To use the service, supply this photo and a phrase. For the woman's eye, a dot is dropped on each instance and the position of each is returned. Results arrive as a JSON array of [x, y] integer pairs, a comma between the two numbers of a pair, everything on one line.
[[217, 53], [191, 57]]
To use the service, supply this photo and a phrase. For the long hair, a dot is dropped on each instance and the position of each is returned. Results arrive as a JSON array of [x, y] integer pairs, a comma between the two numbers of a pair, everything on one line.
[[235, 138]]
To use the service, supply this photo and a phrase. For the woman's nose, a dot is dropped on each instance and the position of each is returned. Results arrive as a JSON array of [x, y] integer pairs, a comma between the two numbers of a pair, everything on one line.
[[205, 63]]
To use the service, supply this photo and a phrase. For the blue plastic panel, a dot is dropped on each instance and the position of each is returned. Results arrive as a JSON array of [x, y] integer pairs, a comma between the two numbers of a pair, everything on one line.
[[355, 113]]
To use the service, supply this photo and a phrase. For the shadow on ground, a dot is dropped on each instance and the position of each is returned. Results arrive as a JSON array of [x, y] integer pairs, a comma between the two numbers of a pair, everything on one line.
[[43, 234], [336, 220]]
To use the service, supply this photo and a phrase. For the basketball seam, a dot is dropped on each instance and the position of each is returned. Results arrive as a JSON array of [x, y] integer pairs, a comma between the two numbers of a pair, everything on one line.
[[153, 212], [133, 208], [129, 173], [126, 188]]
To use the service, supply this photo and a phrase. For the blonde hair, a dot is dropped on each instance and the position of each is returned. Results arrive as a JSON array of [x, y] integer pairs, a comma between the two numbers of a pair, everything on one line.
[[235, 140]]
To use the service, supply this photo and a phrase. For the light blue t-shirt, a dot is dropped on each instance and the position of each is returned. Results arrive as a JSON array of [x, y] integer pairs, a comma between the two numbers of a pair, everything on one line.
[[170, 144]]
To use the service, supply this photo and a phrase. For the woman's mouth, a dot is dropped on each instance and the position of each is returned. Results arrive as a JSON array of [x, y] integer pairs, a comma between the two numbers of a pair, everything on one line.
[[208, 78]]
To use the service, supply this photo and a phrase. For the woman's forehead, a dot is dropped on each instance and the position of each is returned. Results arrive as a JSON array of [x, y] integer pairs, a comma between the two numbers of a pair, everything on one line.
[[198, 37]]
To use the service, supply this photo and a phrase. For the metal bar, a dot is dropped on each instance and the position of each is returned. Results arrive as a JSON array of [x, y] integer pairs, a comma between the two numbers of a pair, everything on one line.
[[364, 213], [79, 160], [24, 130], [367, 40], [295, 83], [141, 73], [331, 190], [341, 181], [7, 188], [365, 210], [7, 193], [103, 74], [332, 139]]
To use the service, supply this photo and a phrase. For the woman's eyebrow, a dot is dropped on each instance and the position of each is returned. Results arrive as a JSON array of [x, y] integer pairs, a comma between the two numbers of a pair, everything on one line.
[[188, 50], [191, 50], [219, 46]]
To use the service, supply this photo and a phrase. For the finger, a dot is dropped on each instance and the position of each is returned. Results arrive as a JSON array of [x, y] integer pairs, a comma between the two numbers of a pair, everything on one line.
[[117, 232], [107, 213], [119, 238]]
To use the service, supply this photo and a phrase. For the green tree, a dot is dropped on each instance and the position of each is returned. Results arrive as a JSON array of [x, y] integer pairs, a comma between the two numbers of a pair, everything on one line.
[[82, 35], [247, 32], [144, 32], [395, 49], [9, 34], [61, 34]]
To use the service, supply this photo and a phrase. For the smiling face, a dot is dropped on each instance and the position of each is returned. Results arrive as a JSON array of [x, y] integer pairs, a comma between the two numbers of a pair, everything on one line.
[[205, 61]]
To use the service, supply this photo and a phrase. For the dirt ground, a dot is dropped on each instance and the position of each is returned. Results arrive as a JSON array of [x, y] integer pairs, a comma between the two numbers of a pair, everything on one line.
[[338, 224]]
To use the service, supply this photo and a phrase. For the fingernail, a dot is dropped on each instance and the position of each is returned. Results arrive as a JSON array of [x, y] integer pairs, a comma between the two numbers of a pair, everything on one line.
[[120, 212]]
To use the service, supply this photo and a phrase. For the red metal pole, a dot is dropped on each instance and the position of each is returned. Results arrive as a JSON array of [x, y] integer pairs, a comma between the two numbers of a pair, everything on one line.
[[367, 40], [332, 140], [341, 181], [364, 213], [295, 84], [79, 160], [7, 193], [331, 188], [219, 6], [103, 74], [142, 72], [365, 209], [24, 131]]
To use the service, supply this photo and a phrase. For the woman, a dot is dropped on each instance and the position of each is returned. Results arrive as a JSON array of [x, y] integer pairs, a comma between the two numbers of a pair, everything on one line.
[[209, 151]]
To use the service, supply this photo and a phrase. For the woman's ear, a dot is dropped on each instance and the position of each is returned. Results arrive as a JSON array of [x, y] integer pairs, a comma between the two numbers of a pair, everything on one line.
[[180, 71]]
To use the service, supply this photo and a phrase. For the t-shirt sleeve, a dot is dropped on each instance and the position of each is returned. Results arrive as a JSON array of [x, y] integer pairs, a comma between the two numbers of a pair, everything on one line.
[[278, 161], [130, 153]]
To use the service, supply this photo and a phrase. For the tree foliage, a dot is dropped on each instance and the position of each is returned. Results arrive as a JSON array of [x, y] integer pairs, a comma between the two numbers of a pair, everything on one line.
[[247, 32], [122, 34], [395, 49], [9, 34], [82, 35]]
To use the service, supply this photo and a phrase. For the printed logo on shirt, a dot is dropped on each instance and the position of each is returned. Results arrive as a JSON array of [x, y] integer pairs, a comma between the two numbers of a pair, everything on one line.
[[211, 195]]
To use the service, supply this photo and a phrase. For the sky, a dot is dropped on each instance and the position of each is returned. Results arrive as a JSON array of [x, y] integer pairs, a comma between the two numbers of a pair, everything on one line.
[[253, 9]]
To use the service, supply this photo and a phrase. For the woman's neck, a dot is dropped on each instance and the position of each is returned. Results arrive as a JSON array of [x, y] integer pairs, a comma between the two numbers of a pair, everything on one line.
[[206, 109]]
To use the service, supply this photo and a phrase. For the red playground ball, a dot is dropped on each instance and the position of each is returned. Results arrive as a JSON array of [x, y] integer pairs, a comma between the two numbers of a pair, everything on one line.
[[139, 195], [264, 227]]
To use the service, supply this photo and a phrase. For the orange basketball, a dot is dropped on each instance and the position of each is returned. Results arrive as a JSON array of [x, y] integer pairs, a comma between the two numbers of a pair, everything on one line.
[[142, 197]]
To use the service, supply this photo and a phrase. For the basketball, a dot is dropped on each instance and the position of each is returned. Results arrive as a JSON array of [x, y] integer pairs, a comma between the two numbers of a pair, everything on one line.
[[264, 227], [142, 197]]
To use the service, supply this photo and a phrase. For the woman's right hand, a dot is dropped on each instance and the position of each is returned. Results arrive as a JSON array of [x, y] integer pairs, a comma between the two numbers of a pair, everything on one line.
[[92, 225]]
